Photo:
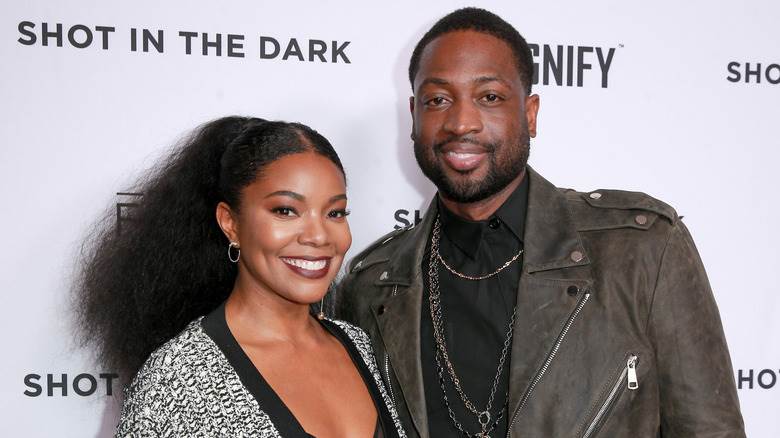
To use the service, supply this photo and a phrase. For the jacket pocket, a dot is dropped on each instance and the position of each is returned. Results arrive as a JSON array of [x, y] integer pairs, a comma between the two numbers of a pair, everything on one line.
[[626, 380]]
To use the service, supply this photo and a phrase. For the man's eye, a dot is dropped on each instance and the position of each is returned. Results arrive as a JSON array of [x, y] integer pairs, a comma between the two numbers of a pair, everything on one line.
[[338, 214], [436, 101], [491, 98], [284, 211]]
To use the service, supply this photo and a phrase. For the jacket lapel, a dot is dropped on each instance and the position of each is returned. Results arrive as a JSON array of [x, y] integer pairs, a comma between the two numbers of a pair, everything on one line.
[[555, 278], [399, 319]]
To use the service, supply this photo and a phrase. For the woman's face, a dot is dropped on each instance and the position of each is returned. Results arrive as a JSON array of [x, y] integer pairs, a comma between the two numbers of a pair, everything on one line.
[[292, 227]]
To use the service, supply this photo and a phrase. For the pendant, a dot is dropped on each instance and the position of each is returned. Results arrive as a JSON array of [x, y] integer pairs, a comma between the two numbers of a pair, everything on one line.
[[483, 418]]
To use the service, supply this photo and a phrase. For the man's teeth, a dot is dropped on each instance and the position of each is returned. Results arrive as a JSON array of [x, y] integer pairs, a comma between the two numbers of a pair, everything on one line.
[[462, 155], [310, 265]]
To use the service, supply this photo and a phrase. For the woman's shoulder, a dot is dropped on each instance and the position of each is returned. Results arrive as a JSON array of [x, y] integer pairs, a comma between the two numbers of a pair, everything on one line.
[[187, 387], [182, 351]]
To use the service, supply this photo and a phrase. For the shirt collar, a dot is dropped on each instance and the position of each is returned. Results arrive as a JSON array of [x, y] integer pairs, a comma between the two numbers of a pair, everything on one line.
[[467, 235]]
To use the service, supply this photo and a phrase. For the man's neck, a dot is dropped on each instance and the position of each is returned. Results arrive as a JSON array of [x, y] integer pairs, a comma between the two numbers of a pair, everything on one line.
[[482, 210]]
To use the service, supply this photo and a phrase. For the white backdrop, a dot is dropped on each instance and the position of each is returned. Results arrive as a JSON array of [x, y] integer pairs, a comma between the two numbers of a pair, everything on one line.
[[675, 120]]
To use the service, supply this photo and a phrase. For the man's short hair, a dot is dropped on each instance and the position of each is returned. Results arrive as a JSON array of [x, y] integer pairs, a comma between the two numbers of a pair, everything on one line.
[[478, 20]]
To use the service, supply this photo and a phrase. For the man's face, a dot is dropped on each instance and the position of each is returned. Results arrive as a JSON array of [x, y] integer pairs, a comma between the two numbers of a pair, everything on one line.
[[472, 118]]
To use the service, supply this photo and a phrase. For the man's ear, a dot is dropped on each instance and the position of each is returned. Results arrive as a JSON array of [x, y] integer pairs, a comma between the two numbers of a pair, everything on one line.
[[531, 111], [228, 221], [411, 111]]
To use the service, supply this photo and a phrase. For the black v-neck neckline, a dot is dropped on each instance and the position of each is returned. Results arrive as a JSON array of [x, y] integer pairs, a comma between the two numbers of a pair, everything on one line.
[[215, 326]]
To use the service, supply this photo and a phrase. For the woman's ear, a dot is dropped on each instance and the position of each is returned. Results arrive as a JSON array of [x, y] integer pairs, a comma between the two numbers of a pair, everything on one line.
[[228, 222]]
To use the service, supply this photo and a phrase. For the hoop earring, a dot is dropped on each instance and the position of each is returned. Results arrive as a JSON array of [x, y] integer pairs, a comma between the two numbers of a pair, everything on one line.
[[321, 315], [230, 253]]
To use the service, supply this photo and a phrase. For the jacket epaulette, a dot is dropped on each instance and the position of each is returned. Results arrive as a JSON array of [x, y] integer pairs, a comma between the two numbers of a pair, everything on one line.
[[362, 259], [611, 209]]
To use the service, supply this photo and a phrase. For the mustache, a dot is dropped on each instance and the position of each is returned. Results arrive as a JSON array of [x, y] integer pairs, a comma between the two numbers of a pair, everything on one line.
[[488, 147]]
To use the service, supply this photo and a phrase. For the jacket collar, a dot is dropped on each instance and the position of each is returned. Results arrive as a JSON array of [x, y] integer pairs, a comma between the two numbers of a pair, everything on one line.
[[405, 262], [551, 238]]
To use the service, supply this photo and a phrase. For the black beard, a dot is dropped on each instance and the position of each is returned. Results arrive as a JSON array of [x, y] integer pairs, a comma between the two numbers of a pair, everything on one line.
[[498, 175]]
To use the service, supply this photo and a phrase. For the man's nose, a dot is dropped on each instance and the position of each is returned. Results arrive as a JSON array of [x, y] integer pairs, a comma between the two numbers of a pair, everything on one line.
[[463, 117]]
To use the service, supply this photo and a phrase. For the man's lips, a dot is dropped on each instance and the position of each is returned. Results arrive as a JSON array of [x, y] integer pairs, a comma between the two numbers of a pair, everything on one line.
[[463, 157], [309, 267]]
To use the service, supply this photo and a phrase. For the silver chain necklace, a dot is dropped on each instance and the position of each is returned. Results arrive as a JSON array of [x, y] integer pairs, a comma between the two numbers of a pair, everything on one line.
[[437, 321]]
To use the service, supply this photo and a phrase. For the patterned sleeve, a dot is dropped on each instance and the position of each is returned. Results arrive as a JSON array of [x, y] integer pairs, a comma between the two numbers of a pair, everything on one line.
[[146, 411]]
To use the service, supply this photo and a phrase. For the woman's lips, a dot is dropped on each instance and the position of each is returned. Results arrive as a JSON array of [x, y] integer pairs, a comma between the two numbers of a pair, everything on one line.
[[312, 268]]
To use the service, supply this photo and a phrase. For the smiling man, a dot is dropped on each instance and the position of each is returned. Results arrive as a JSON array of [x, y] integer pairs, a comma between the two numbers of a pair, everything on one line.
[[519, 309]]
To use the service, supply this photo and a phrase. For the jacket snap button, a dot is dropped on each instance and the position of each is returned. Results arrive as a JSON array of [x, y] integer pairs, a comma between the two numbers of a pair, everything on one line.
[[641, 219], [595, 195], [383, 276], [572, 290], [576, 256], [494, 223], [380, 310]]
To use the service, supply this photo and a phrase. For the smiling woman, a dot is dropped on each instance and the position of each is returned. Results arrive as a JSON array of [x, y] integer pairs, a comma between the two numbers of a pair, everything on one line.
[[225, 344]]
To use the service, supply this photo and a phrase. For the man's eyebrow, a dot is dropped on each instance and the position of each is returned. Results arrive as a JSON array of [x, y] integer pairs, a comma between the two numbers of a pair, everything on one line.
[[485, 79], [435, 81], [287, 193], [479, 80]]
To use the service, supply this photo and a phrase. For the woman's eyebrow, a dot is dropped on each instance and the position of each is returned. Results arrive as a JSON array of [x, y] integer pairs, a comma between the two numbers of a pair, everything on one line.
[[287, 193]]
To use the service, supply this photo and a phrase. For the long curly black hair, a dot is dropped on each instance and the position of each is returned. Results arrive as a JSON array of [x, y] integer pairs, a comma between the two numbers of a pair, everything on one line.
[[138, 287]]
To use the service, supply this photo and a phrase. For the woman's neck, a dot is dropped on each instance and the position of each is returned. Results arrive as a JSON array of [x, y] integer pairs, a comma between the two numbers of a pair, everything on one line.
[[256, 315]]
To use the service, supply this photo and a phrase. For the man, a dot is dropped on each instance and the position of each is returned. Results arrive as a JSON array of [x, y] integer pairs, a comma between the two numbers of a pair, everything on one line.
[[518, 309]]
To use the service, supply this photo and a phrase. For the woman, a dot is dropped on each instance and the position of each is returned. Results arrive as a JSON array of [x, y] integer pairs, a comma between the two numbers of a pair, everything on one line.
[[245, 224]]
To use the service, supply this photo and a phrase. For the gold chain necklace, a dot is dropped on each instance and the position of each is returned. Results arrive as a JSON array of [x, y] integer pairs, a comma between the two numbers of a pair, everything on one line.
[[469, 277]]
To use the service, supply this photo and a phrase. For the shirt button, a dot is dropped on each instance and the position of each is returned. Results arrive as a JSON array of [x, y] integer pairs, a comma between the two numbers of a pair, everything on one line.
[[494, 223]]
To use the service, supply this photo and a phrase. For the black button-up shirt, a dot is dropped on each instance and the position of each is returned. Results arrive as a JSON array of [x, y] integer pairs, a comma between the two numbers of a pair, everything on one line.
[[476, 313]]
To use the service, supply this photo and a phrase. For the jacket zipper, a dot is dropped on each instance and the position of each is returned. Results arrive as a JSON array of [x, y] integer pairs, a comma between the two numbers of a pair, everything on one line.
[[629, 375], [387, 364], [550, 356]]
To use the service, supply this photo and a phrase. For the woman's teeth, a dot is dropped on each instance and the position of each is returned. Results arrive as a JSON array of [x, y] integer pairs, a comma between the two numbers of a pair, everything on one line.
[[309, 265]]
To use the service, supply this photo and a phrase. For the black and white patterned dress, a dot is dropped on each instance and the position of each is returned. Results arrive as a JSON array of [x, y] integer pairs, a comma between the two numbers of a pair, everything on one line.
[[202, 384]]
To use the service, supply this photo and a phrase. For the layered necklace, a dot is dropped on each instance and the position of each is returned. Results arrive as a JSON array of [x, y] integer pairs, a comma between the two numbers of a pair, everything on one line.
[[486, 420]]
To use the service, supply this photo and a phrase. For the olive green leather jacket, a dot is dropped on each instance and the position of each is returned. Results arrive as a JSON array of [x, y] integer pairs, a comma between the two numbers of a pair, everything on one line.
[[617, 332]]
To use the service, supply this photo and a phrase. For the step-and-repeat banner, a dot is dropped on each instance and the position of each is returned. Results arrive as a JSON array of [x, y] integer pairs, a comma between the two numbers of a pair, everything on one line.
[[676, 99]]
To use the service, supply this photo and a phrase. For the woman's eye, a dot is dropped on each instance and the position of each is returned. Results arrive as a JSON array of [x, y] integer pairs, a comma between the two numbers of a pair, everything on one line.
[[284, 211], [338, 214]]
